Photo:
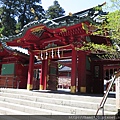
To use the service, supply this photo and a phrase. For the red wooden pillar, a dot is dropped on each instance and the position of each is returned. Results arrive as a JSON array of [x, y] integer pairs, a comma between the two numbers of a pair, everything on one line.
[[74, 70], [42, 75], [45, 74], [0, 68], [82, 72], [30, 72]]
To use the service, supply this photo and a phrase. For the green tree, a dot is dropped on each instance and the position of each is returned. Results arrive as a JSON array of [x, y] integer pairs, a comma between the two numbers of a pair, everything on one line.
[[29, 10], [109, 26], [111, 22], [55, 11], [7, 20], [14, 14]]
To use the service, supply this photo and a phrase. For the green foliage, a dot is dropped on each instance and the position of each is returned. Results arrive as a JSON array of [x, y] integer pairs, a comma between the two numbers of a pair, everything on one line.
[[24, 13], [97, 48], [113, 25], [14, 14], [55, 11], [7, 21], [110, 26]]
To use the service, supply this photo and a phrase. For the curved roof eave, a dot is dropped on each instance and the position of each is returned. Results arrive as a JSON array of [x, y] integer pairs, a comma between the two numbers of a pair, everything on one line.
[[67, 21], [11, 50], [47, 24]]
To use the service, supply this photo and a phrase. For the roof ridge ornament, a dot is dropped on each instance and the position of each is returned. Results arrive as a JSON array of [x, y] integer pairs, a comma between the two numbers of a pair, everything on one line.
[[70, 14]]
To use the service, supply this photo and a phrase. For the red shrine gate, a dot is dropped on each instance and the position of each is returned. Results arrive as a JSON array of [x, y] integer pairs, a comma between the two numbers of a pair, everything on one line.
[[57, 39]]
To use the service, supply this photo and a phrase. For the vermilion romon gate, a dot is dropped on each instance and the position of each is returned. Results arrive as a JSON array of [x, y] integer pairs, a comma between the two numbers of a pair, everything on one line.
[[60, 38]]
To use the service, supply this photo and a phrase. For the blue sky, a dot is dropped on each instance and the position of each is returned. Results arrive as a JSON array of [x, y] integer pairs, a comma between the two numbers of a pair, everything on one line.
[[73, 6]]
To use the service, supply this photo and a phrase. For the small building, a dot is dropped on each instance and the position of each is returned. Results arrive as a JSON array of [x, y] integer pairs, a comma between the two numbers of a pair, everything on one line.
[[14, 68]]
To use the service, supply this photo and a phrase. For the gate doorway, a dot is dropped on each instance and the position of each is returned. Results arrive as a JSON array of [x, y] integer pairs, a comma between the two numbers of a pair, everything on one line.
[[64, 72], [64, 80]]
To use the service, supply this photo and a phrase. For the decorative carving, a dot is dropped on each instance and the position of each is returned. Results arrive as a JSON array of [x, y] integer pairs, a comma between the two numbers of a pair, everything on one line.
[[63, 30], [18, 41], [1, 48], [15, 54], [70, 14], [36, 29], [50, 45]]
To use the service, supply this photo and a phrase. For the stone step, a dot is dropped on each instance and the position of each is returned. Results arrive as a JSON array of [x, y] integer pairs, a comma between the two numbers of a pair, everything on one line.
[[62, 103], [48, 94], [48, 106], [53, 110], [40, 105], [7, 111], [54, 107], [34, 100], [30, 110]]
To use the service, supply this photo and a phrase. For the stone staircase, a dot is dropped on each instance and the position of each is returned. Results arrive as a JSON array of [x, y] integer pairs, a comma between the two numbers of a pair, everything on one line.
[[24, 102]]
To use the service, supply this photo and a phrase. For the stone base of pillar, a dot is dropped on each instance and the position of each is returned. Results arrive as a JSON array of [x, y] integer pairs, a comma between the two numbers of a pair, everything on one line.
[[41, 87], [83, 89], [29, 87], [73, 89]]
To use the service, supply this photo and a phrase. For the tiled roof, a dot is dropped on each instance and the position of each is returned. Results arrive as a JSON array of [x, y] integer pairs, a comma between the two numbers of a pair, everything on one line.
[[76, 18], [14, 49], [19, 49], [65, 60], [86, 15], [65, 68]]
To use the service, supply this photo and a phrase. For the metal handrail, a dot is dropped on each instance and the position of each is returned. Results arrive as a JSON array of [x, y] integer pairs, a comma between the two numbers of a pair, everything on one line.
[[106, 94]]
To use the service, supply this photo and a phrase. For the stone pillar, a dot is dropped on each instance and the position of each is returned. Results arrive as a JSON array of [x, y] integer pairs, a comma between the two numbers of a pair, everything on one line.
[[73, 71], [30, 72]]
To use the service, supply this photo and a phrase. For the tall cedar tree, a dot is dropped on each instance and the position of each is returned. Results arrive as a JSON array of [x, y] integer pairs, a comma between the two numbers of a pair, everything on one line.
[[7, 20], [55, 11], [14, 14]]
